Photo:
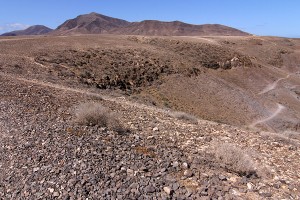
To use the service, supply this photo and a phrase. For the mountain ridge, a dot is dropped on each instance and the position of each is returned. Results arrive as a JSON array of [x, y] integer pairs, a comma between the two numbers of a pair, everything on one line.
[[95, 23]]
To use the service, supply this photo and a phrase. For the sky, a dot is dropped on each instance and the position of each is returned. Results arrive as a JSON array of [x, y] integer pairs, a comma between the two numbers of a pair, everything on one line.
[[259, 17]]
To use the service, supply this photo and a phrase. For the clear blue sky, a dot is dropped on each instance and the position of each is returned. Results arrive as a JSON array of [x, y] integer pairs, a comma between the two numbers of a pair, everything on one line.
[[260, 17]]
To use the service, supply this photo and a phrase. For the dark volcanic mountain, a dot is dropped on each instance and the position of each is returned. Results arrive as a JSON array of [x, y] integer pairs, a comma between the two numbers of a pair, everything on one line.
[[94, 23], [32, 30]]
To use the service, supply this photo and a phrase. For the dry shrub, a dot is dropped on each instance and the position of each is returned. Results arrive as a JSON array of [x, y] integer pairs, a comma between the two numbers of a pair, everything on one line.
[[94, 114], [184, 116], [234, 159]]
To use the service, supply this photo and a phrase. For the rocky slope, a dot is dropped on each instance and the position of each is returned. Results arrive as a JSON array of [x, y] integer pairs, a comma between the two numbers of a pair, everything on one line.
[[45, 155]]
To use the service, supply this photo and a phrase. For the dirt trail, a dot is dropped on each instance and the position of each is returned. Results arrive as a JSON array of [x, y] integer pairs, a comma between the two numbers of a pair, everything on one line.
[[279, 109], [273, 85]]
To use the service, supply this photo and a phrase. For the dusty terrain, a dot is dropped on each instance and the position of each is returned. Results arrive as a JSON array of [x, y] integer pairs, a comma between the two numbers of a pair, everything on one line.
[[247, 87]]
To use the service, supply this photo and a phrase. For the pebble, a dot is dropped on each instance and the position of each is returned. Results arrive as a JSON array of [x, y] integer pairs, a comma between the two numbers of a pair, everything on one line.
[[36, 169], [55, 194], [149, 189], [175, 164], [168, 190], [222, 178], [250, 186], [185, 165], [51, 190], [155, 129], [188, 173]]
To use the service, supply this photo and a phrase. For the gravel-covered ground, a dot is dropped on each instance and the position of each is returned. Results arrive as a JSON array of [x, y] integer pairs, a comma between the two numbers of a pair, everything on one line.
[[45, 155]]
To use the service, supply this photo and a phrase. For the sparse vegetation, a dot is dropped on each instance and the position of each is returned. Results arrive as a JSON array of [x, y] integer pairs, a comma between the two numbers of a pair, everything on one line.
[[92, 114], [184, 116], [234, 159]]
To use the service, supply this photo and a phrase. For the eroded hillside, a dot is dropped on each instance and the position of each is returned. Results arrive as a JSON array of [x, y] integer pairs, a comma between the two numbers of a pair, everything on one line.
[[233, 80]]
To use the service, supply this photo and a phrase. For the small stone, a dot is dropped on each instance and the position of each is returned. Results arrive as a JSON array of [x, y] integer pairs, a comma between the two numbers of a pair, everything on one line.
[[185, 165], [123, 169], [55, 194], [222, 178], [148, 174], [168, 190], [130, 172], [175, 164], [155, 129], [51, 190], [36, 169], [188, 173], [235, 192], [175, 186], [149, 189], [250, 186], [27, 144], [266, 194], [163, 170]]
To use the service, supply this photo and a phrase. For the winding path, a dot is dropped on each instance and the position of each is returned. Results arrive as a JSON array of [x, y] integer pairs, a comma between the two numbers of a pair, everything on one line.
[[279, 109], [273, 85]]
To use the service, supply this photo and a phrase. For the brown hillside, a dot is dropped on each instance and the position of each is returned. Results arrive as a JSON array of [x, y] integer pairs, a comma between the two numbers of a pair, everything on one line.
[[94, 23]]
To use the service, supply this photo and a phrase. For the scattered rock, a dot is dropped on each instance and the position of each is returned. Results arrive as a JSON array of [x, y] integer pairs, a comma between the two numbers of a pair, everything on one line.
[[168, 190]]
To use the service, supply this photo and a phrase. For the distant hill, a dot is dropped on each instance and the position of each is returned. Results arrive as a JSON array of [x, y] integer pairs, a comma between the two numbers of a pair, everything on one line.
[[32, 30], [94, 23]]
